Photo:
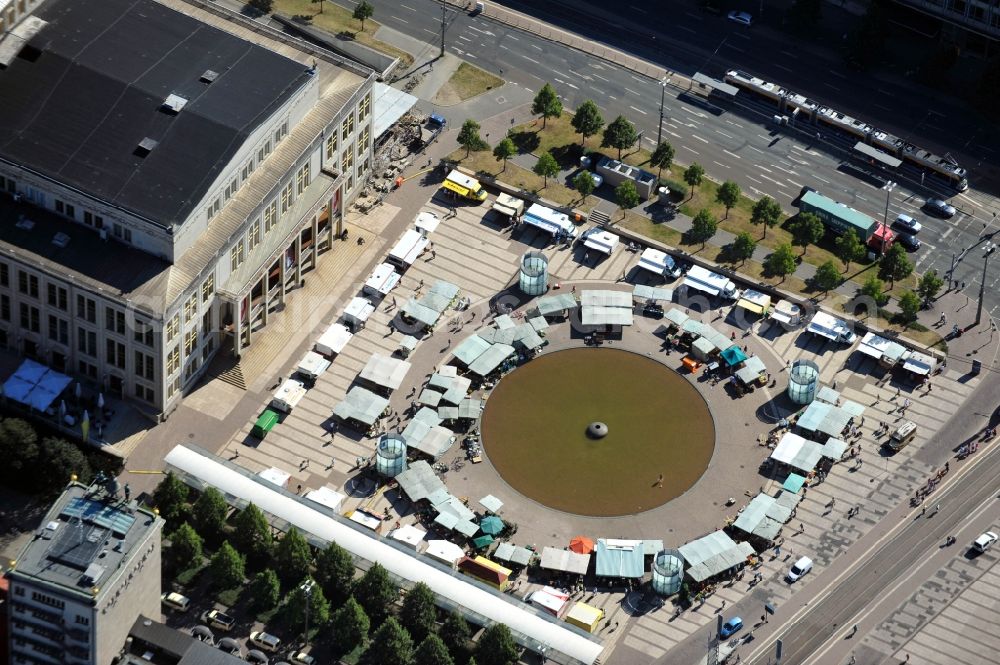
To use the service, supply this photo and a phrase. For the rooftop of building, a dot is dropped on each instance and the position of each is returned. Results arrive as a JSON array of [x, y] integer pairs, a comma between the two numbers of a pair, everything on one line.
[[84, 539], [93, 84], [156, 643]]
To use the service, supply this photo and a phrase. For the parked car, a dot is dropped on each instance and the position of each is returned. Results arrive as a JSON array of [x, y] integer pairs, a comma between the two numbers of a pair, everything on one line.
[[203, 634], [743, 18], [940, 208], [265, 641], [730, 627], [801, 567], [303, 658], [436, 120], [254, 656], [230, 646], [218, 619], [908, 224], [985, 541], [909, 241], [176, 601]]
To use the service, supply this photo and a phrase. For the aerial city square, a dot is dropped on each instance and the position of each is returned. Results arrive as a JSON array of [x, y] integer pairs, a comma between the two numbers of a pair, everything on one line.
[[454, 332]]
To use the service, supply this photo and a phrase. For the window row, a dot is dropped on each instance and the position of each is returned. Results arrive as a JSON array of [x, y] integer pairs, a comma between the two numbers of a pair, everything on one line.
[[233, 186], [238, 253]]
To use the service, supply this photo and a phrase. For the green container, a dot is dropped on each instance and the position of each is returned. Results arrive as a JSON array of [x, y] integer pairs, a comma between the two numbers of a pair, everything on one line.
[[265, 423]]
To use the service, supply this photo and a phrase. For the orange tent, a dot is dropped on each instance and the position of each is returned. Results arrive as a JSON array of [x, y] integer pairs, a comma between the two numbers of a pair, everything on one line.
[[582, 545]]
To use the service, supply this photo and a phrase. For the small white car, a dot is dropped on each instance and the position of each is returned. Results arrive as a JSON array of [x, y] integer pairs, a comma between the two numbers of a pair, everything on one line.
[[743, 18], [908, 224], [801, 567], [176, 601], [985, 541], [302, 658], [265, 641]]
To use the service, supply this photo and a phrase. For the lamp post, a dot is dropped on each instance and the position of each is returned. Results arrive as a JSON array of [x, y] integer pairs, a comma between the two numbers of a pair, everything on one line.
[[663, 94], [990, 248], [889, 186], [307, 588]]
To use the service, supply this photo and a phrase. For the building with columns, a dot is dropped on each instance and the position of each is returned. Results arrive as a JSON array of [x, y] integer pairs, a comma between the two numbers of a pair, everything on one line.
[[168, 172]]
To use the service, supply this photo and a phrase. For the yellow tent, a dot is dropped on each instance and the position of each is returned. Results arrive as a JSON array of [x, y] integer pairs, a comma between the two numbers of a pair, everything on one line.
[[585, 616]]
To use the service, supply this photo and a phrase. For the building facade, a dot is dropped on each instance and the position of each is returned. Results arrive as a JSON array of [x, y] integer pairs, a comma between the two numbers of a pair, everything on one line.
[[92, 568], [148, 224]]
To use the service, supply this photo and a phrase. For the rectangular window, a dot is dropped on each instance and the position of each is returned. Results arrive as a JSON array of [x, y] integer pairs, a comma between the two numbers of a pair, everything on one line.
[[144, 366], [280, 132], [4, 275], [344, 132], [253, 235], [86, 309], [286, 198], [173, 326], [270, 216], [174, 387], [302, 179], [90, 219], [70, 211], [190, 341], [86, 342], [30, 318], [237, 255], [191, 308], [363, 143], [207, 288], [60, 207], [173, 360], [347, 159], [144, 393], [143, 333], [115, 353], [365, 107], [5, 307], [88, 369], [58, 329], [27, 284], [114, 320], [247, 169], [331, 147], [58, 297]]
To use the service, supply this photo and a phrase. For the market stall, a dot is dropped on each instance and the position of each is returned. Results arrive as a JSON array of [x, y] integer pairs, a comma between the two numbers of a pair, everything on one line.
[[358, 312], [408, 249], [333, 340], [361, 405], [385, 371], [382, 280], [564, 561], [312, 365]]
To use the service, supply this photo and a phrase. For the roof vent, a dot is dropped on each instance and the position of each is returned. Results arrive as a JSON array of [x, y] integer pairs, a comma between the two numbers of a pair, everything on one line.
[[209, 76], [93, 573], [173, 104], [60, 240], [145, 146]]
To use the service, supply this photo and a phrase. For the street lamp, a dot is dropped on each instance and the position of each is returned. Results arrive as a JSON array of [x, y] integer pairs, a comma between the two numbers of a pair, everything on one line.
[[990, 248], [307, 588], [889, 186], [663, 94]]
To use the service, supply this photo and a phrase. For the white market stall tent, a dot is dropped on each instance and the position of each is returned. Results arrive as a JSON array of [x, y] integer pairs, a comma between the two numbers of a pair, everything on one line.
[[409, 534], [327, 497], [333, 340]]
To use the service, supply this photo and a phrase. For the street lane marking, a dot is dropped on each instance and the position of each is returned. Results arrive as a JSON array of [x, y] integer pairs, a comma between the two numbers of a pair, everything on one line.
[[734, 124], [763, 168], [537, 47], [766, 138], [756, 148], [633, 91], [430, 31], [832, 86], [837, 74], [635, 109], [513, 37], [947, 232], [790, 54], [794, 184], [696, 17], [676, 136], [750, 177], [686, 29], [884, 108], [598, 76], [695, 136], [735, 48], [721, 164], [464, 38], [408, 8], [401, 20], [691, 149], [598, 91], [728, 136], [731, 154], [529, 59], [783, 67], [557, 72], [821, 179], [504, 47]]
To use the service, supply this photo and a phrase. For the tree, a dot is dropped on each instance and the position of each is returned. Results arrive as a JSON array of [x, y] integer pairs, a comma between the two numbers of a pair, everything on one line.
[[469, 138], [626, 196], [827, 277], [227, 567], [895, 265], [619, 134], [209, 513], [455, 633], [170, 496], [319, 606], [849, 248], [693, 175], [320, 3], [547, 167], [583, 182], [587, 120], [363, 11], [263, 6], [909, 306], [185, 547], [547, 104], [58, 459], [703, 227], [766, 212], [807, 229], [390, 644], [292, 557], [743, 247], [19, 449], [432, 651], [375, 592], [349, 626], [497, 646], [335, 571], [419, 613], [252, 534], [781, 262], [929, 285], [728, 195], [504, 151], [662, 158], [265, 590], [874, 288]]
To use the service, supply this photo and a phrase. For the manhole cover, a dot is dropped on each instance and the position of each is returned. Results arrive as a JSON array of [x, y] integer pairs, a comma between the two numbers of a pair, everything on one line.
[[501, 100]]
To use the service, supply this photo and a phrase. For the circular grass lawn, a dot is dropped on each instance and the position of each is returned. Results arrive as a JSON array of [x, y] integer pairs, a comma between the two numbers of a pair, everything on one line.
[[659, 441]]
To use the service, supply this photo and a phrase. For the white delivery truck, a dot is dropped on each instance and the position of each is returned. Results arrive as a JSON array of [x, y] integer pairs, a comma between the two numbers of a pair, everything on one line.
[[288, 395], [832, 328], [659, 263], [408, 249], [712, 283]]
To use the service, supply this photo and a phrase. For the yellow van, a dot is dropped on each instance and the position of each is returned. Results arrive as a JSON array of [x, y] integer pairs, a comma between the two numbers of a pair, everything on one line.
[[465, 186]]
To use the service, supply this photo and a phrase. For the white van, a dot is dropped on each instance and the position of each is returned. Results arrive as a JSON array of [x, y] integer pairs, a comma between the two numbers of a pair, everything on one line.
[[176, 601], [801, 567], [984, 541], [832, 328], [902, 435]]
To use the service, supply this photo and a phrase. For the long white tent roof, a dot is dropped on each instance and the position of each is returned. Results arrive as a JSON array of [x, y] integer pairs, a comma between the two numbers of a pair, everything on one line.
[[532, 628], [385, 371]]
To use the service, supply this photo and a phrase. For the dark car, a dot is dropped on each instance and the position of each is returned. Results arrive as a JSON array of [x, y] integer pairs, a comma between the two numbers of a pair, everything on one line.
[[910, 242], [940, 208]]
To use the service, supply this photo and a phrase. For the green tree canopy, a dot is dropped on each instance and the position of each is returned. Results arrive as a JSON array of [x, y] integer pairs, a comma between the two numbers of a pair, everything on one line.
[[547, 167], [57, 460], [743, 246], [807, 229], [662, 157], [419, 613], [209, 513], [583, 182], [265, 590], [504, 150], [390, 645], [766, 212], [292, 557], [170, 497], [497, 646], [895, 264], [375, 592], [827, 277], [319, 606], [929, 285], [432, 651], [227, 567], [335, 571], [185, 548], [849, 247], [781, 262], [874, 288], [456, 634], [909, 306], [626, 196], [728, 195], [619, 134], [469, 138], [252, 534], [349, 626], [703, 227], [547, 104], [587, 120], [693, 175], [362, 12]]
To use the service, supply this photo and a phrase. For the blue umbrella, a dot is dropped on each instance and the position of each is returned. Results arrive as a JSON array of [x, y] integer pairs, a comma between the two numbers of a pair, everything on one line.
[[491, 525]]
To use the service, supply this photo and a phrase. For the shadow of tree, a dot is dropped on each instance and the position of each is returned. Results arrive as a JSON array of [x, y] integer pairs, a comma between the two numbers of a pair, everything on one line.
[[525, 141], [567, 155]]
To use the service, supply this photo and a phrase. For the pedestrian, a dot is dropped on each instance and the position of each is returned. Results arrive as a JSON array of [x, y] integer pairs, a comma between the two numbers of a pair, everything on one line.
[[659, 481], [394, 301], [433, 254], [923, 511], [732, 336], [802, 527]]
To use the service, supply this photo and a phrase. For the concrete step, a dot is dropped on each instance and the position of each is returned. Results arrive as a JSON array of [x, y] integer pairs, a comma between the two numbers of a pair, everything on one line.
[[599, 218], [234, 377]]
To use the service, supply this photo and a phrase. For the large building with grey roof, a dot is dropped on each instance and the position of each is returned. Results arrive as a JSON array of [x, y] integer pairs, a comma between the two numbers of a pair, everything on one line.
[[168, 173], [92, 567]]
